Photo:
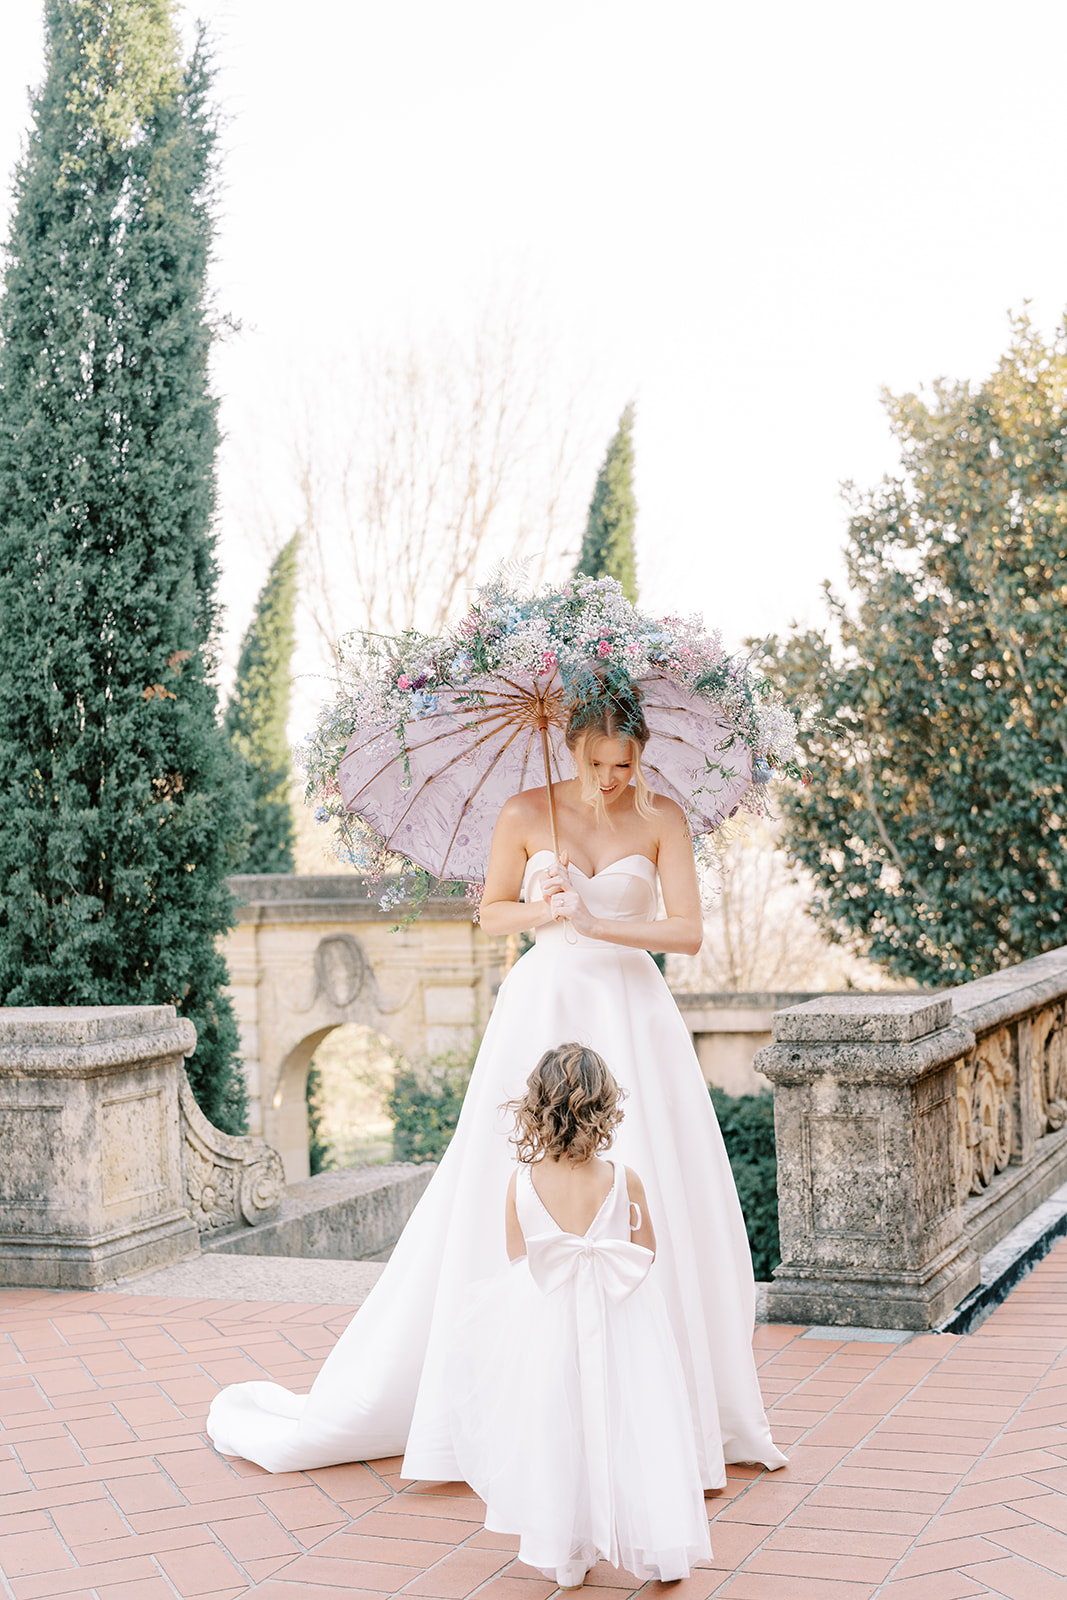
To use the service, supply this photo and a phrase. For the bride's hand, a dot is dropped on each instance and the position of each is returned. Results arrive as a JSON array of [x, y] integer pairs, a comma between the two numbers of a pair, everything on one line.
[[572, 908], [557, 879], [564, 901]]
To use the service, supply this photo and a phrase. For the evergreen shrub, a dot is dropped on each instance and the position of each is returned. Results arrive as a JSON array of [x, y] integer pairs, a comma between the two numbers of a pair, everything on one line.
[[425, 1105], [319, 1158], [747, 1123]]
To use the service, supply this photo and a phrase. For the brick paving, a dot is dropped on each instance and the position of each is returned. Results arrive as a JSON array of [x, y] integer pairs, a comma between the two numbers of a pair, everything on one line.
[[933, 1470]]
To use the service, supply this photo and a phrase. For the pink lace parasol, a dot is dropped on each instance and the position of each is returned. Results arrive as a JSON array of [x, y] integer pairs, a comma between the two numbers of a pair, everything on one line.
[[433, 788]]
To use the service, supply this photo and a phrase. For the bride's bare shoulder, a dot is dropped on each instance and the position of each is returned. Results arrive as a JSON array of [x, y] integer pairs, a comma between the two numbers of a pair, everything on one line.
[[527, 803], [668, 811], [522, 810]]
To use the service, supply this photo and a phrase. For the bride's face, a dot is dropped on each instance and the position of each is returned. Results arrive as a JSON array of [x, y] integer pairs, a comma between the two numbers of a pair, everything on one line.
[[613, 766]]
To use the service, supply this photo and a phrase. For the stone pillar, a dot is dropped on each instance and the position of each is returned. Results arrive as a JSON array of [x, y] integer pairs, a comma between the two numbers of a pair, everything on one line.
[[866, 1125], [91, 1185]]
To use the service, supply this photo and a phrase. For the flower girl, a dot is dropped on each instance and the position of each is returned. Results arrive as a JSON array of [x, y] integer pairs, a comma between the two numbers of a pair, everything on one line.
[[569, 1411]]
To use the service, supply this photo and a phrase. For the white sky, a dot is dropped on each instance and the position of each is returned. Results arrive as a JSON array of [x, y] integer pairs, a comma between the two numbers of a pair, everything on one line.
[[747, 216]]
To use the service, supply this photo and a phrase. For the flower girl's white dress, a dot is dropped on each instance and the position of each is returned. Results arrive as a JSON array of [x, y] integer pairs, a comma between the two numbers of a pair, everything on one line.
[[382, 1389], [569, 1412]]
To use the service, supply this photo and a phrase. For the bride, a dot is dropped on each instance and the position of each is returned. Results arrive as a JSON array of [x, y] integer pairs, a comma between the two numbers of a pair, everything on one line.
[[594, 915]]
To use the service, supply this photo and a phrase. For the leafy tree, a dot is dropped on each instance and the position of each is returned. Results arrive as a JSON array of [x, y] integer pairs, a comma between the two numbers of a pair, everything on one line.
[[608, 546], [258, 713], [123, 807], [935, 824]]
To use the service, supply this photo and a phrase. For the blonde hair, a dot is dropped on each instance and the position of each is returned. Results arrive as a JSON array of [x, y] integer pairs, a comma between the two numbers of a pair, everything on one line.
[[609, 715], [571, 1107]]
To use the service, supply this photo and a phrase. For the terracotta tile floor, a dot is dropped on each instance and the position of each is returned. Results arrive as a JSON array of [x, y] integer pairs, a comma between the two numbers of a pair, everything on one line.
[[935, 1470]]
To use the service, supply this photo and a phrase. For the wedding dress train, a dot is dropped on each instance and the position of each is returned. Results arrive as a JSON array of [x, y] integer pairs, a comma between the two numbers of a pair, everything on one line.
[[383, 1388]]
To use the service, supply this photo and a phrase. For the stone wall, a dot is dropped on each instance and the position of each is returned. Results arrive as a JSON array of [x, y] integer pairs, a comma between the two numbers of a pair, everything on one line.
[[913, 1132], [728, 1030]]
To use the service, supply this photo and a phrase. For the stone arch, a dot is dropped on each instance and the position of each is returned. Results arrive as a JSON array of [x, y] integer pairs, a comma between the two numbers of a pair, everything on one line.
[[309, 954]]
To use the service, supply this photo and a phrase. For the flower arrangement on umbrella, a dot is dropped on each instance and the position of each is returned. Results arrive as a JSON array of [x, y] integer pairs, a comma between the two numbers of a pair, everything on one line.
[[429, 736]]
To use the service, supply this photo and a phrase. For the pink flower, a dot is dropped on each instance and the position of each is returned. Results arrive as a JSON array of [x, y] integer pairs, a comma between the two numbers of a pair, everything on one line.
[[603, 648], [403, 682], [549, 661]]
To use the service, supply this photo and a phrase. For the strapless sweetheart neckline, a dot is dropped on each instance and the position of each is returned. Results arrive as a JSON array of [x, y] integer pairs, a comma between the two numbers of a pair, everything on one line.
[[635, 855]]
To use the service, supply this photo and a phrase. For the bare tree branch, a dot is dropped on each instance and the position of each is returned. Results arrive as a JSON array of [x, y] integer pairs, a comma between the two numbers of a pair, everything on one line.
[[759, 935], [435, 467]]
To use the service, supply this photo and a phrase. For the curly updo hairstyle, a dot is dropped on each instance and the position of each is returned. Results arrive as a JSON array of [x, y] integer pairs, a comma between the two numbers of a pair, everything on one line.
[[607, 709], [571, 1107]]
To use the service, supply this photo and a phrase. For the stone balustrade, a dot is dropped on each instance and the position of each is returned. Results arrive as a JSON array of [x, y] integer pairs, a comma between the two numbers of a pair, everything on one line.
[[914, 1132], [107, 1165]]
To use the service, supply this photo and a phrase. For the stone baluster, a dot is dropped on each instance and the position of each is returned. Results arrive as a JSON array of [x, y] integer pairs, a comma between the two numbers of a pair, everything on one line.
[[866, 1120], [107, 1166], [91, 1185]]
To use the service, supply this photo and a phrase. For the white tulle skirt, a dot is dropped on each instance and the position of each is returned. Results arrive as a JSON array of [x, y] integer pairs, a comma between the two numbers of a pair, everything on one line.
[[383, 1388], [519, 1439]]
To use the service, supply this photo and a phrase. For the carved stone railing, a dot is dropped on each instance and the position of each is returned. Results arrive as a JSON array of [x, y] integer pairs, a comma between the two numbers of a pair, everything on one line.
[[228, 1178], [914, 1132], [107, 1166]]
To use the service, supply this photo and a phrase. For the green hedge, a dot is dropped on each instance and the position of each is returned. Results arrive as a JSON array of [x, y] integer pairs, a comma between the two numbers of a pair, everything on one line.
[[425, 1105], [747, 1124], [318, 1151]]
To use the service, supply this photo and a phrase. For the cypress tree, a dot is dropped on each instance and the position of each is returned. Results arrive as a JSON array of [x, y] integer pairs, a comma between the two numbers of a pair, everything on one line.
[[608, 546], [123, 807], [258, 712]]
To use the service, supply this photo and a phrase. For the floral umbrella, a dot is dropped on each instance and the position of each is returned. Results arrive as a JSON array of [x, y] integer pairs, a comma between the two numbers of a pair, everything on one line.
[[431, 736]]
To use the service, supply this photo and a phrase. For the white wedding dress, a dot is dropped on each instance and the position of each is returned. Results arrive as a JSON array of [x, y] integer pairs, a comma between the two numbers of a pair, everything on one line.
[[569, 1410], [383, 1390]]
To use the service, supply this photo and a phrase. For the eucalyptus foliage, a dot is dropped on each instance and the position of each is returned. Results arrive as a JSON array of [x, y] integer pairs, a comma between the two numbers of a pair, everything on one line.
[[258, 714], [608, 546], [935, 824], [122, 807]]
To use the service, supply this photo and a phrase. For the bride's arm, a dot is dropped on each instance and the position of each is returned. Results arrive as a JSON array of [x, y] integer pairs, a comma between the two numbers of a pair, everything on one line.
[[502, 911], [681, 931]]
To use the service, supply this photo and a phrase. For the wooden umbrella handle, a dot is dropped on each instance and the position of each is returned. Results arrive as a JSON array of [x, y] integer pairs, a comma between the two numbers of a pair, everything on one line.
[[548, 782]]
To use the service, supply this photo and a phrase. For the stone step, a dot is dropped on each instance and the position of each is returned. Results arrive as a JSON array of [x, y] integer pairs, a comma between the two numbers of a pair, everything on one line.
[[290, 1279], [352, 1214]]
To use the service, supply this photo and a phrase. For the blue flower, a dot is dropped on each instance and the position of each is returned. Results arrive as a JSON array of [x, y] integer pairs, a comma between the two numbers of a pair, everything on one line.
[[321, 814]]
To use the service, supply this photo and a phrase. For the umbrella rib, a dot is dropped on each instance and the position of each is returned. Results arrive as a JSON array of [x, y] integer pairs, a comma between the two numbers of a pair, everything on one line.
[[426, 744], [466, 804], [421, 790]]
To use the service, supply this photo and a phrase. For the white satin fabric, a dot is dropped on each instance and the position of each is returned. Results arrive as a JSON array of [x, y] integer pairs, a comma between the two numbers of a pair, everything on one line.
[[382, 1389], [607, 1468]]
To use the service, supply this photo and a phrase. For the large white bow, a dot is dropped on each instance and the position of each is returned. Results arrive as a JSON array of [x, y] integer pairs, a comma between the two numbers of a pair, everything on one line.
[[602, 1270], [616, 1266]]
